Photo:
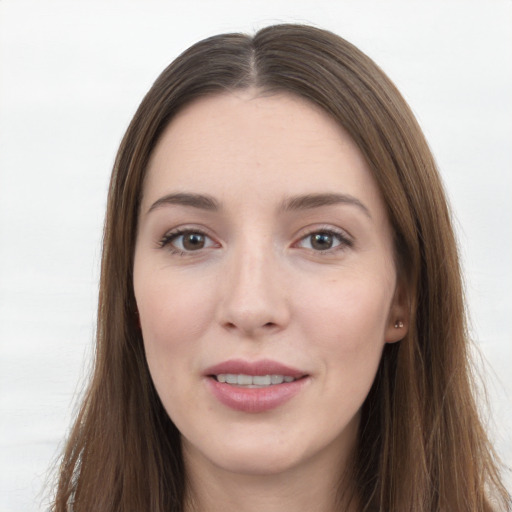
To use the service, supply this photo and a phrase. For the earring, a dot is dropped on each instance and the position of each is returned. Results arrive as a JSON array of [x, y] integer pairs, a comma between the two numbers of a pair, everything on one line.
[[399, 324]]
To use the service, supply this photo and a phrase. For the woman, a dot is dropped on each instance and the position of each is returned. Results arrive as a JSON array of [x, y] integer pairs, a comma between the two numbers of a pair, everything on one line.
[[281, 321]]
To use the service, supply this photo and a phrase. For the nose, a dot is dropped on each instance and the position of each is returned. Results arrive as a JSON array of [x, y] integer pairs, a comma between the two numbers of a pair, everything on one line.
[[253, 299]]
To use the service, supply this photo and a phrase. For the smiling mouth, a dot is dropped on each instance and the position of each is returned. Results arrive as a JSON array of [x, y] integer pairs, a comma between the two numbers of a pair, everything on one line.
[[252, 381], [254, 386]]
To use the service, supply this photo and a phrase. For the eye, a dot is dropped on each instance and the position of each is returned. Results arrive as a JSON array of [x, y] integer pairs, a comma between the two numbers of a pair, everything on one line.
[[324, 240], [185, 241]]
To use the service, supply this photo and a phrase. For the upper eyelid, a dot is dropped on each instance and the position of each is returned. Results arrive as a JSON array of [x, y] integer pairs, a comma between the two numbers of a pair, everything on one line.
[[186, 228], [176, 232], [324, 228], [346, 241]]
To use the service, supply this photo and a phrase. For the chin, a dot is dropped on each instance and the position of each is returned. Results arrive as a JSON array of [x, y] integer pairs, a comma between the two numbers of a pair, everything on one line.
[[265, 453], [256, 462]]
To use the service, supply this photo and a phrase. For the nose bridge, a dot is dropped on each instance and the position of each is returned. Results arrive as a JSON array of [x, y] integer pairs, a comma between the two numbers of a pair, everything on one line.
[[253, 298]]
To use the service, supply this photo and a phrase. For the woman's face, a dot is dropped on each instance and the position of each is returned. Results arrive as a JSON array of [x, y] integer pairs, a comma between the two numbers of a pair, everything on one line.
[[265, 282]]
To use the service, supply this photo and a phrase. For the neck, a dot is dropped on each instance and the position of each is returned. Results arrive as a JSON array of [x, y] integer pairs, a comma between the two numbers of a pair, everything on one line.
[[312, 486]]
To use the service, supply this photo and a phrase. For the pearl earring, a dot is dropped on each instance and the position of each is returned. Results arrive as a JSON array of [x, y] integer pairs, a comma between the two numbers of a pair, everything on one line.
[[399, 324]]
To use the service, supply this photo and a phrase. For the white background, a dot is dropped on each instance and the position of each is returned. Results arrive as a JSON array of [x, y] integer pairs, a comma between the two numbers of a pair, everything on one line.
[[72, 74]]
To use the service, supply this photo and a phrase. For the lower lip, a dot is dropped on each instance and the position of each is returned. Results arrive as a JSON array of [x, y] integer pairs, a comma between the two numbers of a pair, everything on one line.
[[254, 400]]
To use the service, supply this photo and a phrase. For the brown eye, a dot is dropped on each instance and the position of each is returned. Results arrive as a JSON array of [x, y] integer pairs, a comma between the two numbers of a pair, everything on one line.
[[321, 241], [187, 241], [193, 241]]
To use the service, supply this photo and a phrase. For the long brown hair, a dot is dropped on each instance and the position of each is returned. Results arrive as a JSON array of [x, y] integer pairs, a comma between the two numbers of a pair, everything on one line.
[[421, 444]]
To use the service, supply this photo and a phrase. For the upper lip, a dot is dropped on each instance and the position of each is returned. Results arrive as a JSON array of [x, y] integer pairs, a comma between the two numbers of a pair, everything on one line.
[[260, 367]]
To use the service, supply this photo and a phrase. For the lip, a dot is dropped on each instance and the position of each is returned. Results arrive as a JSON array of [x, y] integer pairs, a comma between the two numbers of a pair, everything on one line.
[[261, 367], [254, 400]]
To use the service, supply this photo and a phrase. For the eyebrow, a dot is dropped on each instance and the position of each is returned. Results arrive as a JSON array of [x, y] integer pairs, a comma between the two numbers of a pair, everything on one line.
[[203, 202], [302, 202], [310, 201]]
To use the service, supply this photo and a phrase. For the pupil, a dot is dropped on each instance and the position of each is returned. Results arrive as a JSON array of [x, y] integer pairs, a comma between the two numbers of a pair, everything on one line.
[[193, 241], [321, 241]]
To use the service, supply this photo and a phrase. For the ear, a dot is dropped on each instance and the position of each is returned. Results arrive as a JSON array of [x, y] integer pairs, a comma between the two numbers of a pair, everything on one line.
[[399, 314]]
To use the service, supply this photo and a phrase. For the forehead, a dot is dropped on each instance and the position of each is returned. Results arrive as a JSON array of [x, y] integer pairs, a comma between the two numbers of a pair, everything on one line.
[[243, 142]]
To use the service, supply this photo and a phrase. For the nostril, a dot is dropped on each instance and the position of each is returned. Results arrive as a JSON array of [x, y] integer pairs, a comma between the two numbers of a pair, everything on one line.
[[232, 326]]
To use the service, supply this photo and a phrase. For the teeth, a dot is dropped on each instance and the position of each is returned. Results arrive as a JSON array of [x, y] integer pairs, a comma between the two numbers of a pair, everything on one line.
[[276, 379], [244, 380], [260, 380], [254, 381]]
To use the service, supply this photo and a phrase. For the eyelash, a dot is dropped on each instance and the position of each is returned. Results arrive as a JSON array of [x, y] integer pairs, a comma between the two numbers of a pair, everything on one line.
[[168, 238], [344, 241]]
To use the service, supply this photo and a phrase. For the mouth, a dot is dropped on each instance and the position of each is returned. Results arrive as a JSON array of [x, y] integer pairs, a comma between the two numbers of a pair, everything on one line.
[[253, 381], [254, 387], [261, 373]]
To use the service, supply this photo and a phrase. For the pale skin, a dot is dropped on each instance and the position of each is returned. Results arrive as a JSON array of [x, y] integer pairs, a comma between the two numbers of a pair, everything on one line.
[[262, 235]]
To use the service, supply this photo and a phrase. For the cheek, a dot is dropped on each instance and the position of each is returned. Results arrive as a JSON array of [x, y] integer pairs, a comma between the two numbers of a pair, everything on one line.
[[174, 312], [347, 319]]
